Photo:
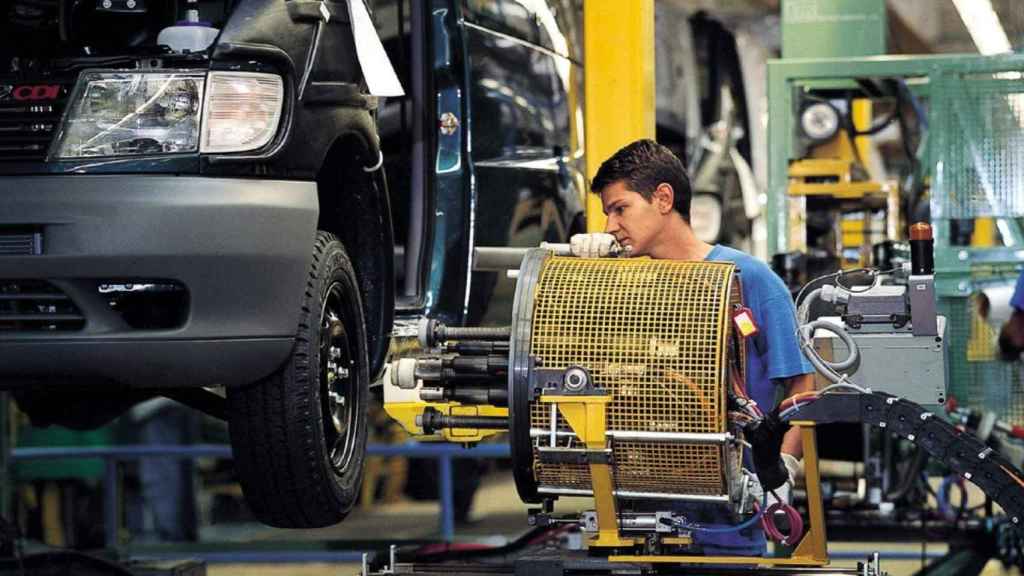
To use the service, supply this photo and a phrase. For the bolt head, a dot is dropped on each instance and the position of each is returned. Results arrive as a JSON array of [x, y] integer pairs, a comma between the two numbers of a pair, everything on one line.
[[575, 379]]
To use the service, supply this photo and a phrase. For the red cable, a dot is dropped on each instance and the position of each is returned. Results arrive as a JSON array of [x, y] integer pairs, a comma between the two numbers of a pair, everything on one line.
[[796, 524]]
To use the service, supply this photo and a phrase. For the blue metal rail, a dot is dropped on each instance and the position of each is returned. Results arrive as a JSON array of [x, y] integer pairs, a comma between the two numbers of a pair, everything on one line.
[[444, 453], [112, 456]]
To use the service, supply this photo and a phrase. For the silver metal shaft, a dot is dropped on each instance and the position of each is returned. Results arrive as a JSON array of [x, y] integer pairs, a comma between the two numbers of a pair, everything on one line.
[[680, 437], [720, 499]]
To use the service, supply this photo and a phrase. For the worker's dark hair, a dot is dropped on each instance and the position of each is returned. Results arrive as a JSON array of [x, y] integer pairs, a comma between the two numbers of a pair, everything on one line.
[[642, 166]]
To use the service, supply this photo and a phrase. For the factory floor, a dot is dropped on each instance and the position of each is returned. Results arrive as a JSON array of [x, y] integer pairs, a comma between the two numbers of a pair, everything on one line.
[[497, 517]]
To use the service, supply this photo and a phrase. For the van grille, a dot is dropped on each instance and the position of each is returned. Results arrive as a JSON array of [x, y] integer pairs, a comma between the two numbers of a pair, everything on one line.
[[30, 116], [36, 306], [20, 243]]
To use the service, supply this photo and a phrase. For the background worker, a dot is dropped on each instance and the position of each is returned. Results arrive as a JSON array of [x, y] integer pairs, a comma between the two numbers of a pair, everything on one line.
[[645, 193], [1011, 336]]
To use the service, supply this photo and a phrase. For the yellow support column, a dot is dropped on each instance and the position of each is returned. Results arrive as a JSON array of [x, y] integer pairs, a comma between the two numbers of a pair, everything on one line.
[[984, 235], [862, 113], [586, 417], [618, 68]]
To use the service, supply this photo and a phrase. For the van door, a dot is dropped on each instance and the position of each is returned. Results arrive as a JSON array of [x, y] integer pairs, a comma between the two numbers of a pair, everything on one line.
[[525, 104]]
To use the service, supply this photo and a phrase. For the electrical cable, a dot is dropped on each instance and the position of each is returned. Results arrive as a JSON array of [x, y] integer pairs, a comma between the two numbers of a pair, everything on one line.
[[727, 529], [805, 332], [798, 301], [876, 127], [796, 522], [850, 385], [910, 477], [903, 92], [829, 369], [942, 497], [804, 398], [875, 275]]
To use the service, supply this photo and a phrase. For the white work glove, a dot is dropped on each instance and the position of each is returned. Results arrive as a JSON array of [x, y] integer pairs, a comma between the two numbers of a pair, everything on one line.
[[595, 245], [785, 492]]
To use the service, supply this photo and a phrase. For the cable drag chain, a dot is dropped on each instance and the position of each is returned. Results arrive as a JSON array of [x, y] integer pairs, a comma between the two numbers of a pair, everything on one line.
[[962, 452]]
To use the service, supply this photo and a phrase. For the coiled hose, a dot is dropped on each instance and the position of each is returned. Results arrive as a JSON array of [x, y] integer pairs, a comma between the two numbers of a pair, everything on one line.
[[829, 369]]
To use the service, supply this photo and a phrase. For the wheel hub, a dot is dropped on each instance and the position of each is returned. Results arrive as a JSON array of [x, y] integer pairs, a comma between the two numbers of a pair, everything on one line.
[[337, 386]]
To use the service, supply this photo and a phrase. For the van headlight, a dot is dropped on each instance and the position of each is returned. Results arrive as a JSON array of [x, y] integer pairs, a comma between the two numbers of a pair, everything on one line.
[[115, 114], [130, 114]]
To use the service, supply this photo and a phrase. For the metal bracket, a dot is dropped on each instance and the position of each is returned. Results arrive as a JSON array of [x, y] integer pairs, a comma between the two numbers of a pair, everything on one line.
[[571, 381]]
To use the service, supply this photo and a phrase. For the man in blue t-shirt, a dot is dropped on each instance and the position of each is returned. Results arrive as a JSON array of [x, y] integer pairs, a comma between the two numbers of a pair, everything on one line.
[[1011, 337], [646, 195]]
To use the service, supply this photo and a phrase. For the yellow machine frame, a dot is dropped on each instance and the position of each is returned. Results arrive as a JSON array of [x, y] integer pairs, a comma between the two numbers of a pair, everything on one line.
[[586, 417], [405, 414], [838, 158]]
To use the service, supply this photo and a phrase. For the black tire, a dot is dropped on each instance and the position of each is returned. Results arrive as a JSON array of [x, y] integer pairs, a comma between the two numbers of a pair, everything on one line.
[[299, 454]]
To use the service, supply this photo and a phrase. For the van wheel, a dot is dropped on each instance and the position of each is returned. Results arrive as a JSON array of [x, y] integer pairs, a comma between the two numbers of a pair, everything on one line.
[[299, 436]]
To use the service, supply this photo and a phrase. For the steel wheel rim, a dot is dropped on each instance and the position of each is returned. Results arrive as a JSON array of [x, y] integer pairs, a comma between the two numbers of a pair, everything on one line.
[[339, 392]]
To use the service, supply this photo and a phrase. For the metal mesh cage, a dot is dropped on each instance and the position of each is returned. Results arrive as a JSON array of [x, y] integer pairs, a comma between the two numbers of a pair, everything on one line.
[[977, 378], [656, 335], [978, 121]]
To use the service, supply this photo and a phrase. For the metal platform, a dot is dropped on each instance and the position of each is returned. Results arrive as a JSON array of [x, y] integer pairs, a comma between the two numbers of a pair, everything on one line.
[[556, 562]]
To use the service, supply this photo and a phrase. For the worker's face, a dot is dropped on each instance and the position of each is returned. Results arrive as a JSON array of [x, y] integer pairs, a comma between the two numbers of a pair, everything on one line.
[[635, 221]]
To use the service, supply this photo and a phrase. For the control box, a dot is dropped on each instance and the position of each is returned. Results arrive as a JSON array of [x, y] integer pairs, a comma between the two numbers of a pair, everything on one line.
[[893, 360]]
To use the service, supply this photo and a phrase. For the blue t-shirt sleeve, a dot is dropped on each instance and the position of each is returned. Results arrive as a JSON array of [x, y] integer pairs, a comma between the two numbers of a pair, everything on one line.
[[1018, 294], [777, 342]]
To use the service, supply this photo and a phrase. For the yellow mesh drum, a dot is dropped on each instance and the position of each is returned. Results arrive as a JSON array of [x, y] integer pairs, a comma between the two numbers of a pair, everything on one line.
[[656, 335]]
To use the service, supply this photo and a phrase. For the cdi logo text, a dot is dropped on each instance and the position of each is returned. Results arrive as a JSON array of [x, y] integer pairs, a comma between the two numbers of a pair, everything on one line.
[[29, 92]]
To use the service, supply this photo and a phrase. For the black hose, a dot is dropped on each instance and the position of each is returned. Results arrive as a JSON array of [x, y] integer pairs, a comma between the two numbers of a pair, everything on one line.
[[477, 348], [909, 478], [494, 395], [433, 332], [433, 420]]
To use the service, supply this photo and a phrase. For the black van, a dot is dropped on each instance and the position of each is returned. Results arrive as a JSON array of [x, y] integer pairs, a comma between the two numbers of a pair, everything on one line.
[[193, 204]]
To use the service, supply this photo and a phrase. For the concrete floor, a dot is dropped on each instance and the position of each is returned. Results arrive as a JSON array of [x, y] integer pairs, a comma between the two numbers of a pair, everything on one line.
[[498, 517]]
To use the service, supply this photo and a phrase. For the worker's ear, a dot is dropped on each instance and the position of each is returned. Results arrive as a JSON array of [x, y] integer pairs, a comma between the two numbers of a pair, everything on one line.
[[663, 197]]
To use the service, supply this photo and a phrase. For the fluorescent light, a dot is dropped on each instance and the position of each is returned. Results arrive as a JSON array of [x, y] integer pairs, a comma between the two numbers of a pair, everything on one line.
[[983, 24]]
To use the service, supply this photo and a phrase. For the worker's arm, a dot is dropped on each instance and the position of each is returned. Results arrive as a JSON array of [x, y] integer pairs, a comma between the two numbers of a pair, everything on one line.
[[1011, 337], [791, 442]]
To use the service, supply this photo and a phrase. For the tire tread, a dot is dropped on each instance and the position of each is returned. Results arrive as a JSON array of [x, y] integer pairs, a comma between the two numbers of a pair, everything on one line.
[[275, 424]]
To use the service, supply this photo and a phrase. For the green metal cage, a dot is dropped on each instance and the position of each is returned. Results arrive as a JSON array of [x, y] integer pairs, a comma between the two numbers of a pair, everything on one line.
[[975, 159], [978, 126]]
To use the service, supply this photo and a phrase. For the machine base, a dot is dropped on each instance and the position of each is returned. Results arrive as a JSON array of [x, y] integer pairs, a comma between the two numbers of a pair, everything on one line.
[[560, 563]]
